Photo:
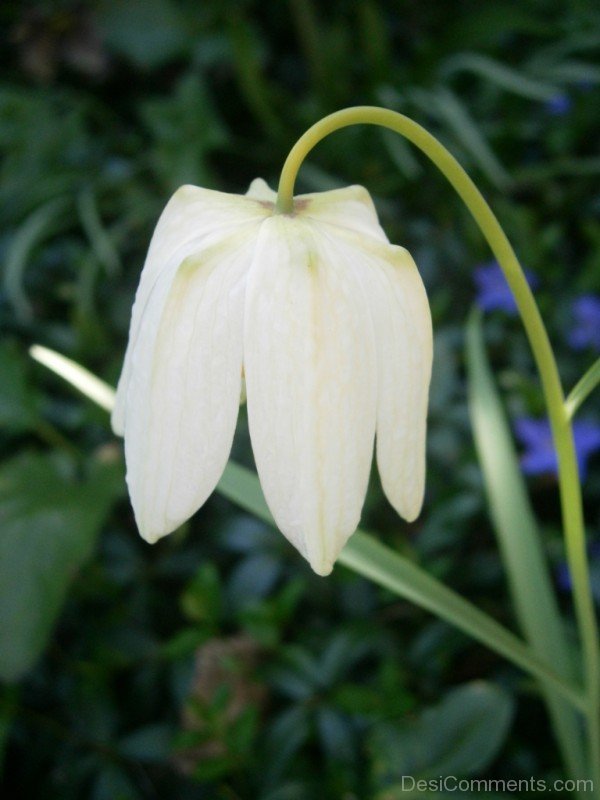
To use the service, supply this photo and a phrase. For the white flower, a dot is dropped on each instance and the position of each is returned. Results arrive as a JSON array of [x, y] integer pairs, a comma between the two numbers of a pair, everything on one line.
[[330, 325]]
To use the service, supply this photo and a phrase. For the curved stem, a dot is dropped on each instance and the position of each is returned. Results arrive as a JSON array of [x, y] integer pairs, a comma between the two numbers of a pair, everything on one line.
[[570, 489]]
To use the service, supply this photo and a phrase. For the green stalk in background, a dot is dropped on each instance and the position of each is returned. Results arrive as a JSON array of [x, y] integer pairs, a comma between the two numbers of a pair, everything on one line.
[[520, 542]]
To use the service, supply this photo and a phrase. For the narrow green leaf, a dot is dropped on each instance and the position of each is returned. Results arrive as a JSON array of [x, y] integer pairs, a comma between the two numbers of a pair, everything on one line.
[[571, 72], [507, 78], [375, 37], [102, 245], [467, 132], [309, 32], [582, 389], [519, 540], [401, 154], [250, 72], [29, 235]]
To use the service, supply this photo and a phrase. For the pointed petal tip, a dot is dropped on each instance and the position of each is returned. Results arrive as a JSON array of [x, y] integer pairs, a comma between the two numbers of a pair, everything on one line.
[[322, 568], [151, 532], [259, 189], [408, 508], [413, 514], [149, 538]]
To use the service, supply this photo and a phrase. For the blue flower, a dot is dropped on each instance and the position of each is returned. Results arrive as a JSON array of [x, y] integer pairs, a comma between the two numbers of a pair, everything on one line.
[[586, 330], [559, 105], [539, 457], [493, 292]]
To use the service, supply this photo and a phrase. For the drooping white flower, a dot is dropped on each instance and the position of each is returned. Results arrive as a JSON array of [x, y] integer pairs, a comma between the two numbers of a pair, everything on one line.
[[330, 326]]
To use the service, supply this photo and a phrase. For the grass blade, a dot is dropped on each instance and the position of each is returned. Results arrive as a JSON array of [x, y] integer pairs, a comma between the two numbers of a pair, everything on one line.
[[519, 540]]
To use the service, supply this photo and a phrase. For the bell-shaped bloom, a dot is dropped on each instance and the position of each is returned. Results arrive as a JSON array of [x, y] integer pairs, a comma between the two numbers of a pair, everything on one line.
[[328, 325]]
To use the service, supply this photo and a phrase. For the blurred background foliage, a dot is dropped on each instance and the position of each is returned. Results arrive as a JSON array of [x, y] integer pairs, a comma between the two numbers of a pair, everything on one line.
[[214, 664]]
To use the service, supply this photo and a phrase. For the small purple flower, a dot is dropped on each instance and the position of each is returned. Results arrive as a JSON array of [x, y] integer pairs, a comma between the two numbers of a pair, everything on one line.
[[586, 330], [493, 292], [559, 105], [539, 457]]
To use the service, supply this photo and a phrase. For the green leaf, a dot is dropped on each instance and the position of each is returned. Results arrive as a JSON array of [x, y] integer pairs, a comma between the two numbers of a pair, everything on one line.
[[38, 225], [461, 736], [507, 78], [18, 401], [519, 538], [150, 33], [113, 783], [185, 128], [99, 238], [201, 601], [8, 710], [48, 526], [576, 72], [466, 130], [335, 734], [251, 72], [149, 744]]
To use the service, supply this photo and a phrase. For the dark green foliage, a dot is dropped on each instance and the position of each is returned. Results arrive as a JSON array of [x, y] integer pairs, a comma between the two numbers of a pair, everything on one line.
[[318, 688]]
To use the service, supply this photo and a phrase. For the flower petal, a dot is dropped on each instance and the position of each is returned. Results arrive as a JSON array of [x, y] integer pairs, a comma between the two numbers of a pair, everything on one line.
[[192, 220], [400, 311], [184, 390], [350, 208], [260, 190], [309, 357]]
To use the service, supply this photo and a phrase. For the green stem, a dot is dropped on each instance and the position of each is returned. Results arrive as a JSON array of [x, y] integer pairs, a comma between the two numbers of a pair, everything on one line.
[[570, 489], [583, 389]]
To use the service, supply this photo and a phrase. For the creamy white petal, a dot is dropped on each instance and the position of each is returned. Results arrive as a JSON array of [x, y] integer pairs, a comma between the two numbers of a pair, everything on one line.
[[350, 209], [184, 390], [310, 366], [193, 219], [394, 291], [260, 190]]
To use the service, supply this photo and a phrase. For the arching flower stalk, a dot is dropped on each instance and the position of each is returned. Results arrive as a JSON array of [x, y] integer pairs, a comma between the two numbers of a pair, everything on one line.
[[330, 326]]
